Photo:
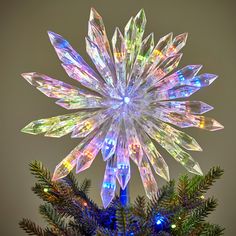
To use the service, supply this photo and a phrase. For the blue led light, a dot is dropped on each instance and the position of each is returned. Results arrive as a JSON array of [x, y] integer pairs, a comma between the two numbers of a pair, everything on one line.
[[158, 222], [108, 185]]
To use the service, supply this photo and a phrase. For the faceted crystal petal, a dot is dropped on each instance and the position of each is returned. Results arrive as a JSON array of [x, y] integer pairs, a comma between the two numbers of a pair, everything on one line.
[[207, 123], [154, 156], [66, 125], [179, 137], [99, 61], [43, 125], [134, 146], [178, 43], [123, 164], [173, 149], [133, 37], [180, 77], [51, 87], [100, 41], [158, 54], [69, 56], [193, 107], [97, 32], [64, 167], [68, 163], [87, 153], [139, 65], [178, 119], [149, 182], [140, 22], [62, 128], [129, 36], [109, 183], [109, 145], [202, 80], [80, 102], [167, 66], [86, 126], [119, 51], [176, 92], [86, 79], [118, 45]]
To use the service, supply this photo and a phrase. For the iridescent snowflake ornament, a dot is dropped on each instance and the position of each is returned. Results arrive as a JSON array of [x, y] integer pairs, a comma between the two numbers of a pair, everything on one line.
[[126, 105]]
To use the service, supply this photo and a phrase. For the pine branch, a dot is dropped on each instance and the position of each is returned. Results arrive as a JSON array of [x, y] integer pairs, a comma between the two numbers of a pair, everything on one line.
[[200, 184], [212, 230], [166, 200], [197, 215], [104, 232], [182, 190], [121, 220], [54, 218], [47, 195], [139, 208], [40, 172], [31, 228], [85, 186], [72, 183]]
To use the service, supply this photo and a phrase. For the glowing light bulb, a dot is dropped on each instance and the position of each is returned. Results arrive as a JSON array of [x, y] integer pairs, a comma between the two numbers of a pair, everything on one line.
[[158, 222], [126, 100], [45, 190]]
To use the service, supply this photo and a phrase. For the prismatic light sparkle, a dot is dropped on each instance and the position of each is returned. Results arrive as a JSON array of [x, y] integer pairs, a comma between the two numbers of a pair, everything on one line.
[[126, 105]]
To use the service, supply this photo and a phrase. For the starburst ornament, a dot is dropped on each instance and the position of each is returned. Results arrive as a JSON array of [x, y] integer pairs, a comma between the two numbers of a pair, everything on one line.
[[126, 105]]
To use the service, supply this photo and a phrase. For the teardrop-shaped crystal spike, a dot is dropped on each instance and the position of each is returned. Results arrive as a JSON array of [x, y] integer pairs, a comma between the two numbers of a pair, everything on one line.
[[66, 125], [134, 146], [99, 61], [80, 102], [120, 53], [109, 183], [64, 167], [145, 49], [140, 22], [87, 153], [85, 127], [155, 158], [129, 36], [180, 77], [193, 107], [178, 43], [171, 147], [40, 126], [167, 66], [48, 124], [109, 145], [70, 57], [68, 163], [208, 123], [123, 163], [51, 87], [179, 137], [149, 182], [203, 80], [97, 32], [158, 53]]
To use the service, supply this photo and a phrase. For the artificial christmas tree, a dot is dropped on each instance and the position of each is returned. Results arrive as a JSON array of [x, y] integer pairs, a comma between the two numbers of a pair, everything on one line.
[[179, 209]]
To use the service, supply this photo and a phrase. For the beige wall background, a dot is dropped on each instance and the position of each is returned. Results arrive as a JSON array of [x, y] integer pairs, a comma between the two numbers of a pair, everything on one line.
[[25, 47]]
